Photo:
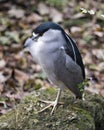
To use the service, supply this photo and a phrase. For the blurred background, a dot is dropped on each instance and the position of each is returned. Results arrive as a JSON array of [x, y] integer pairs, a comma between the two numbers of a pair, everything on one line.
[[83, 20]]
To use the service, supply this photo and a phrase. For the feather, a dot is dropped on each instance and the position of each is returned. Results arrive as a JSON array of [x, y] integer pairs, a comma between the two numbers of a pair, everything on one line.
[[72, 50]]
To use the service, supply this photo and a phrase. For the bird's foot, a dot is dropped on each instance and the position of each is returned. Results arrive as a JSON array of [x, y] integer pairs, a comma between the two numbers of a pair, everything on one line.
[[51, 104]]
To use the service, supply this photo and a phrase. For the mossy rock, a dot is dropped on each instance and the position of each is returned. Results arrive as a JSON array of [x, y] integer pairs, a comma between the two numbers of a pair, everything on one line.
[[72, 115]]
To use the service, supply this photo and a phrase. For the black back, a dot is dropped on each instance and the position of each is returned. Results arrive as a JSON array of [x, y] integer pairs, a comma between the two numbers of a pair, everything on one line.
[[70, 44]]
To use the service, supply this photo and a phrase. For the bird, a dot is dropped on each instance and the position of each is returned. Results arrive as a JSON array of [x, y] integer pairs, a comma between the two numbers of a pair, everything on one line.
[[58, 55]]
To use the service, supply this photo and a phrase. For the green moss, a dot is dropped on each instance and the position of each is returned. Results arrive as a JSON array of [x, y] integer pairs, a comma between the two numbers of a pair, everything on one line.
[[87, 120], [79, 115]]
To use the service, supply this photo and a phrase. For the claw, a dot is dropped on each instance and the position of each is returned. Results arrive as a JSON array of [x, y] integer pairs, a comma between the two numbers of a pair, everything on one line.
[[51, 103], [54, 107]]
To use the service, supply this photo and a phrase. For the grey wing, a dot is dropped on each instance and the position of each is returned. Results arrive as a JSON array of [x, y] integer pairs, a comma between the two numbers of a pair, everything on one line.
[[69, 73], [72, 67], [72, 50]]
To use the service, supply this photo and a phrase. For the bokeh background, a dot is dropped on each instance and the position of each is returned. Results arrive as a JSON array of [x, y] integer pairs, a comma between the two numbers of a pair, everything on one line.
[[83, 20]]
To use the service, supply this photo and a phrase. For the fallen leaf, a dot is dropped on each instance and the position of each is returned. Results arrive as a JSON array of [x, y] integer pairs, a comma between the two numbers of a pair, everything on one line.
[[75, 29], [23, 25], [87, 58], [68, 12], [99, 34], [2, 28], [43, 9], [87, 37], [101, 66], [17, 13], [55, 15], [93, 67], [14, 35], [2, 64], [21, 76], [99, 53], [4, 40], [34, 18]]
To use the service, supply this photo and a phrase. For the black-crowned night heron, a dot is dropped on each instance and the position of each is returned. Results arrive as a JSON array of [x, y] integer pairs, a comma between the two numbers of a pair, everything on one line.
[[57, 54]]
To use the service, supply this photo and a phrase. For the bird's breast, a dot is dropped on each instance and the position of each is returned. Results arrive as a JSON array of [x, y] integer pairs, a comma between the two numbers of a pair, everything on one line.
[[46, 58], [47, 62]]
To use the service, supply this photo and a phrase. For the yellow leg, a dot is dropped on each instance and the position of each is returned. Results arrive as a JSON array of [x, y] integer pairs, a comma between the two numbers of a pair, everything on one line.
[[52, 103]]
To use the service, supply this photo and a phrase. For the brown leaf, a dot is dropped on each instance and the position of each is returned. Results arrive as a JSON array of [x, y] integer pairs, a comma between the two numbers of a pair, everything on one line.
[[99, 34], [21, 76], [34, 18], [2, 63], [75, 29], [101, 66], [17, 13], [23, 25], [99, 53], [55, 15], [87, 58], [43, 9]]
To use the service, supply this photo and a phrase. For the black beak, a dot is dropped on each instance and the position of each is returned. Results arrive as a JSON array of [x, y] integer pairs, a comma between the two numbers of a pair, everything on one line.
[[28, 42]]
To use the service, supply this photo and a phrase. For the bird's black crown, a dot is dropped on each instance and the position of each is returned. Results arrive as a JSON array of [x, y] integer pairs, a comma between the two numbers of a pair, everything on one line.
[[46, 26]]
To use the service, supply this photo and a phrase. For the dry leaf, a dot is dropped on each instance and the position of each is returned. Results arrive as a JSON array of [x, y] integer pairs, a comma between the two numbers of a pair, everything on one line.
[[99, 53], [2, 63], [75, 29], [34, 18], [87, 58], [43, 9], [17, 13], [55, 15], [21, 76]]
